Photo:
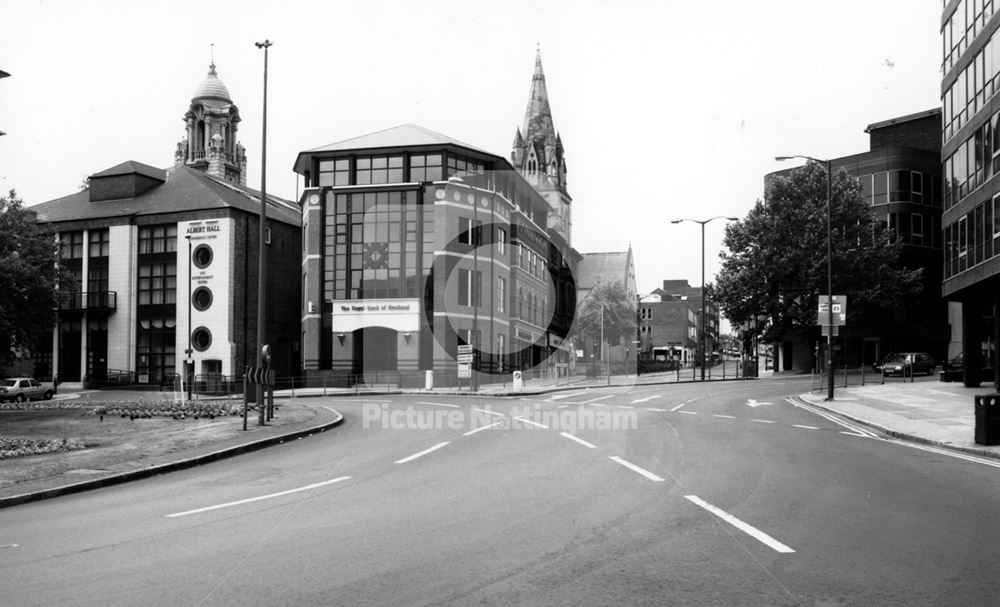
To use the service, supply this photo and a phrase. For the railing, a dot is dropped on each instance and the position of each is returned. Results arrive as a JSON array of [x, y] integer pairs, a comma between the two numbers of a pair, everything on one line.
[[846, 376], [92, 300]]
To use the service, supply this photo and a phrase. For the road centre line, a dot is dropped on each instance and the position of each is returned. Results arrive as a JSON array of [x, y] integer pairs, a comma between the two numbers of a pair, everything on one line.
[[678, 406], [724, 416], [439, 404], [491, 412], [533, 423], [424, 452], [762, 421], [643, 400], [750, 530], [689, 412], [578, 439], [635, 468], [805, 427], [481, 428], [587, 402], [257, 499], [660, 410], [625, 406], [566, 395]]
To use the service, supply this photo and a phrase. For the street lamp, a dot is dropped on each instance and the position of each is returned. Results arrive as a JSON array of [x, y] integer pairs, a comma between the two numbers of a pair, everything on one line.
[[829, 266], [189, 351], [701, 324], [261, 240]]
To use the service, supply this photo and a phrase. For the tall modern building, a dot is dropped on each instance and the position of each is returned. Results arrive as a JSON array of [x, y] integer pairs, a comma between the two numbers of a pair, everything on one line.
[[165, 262], [416, 243], [971, 156]]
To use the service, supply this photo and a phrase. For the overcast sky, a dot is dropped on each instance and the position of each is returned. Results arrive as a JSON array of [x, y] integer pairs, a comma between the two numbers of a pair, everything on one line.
[[667, 109]]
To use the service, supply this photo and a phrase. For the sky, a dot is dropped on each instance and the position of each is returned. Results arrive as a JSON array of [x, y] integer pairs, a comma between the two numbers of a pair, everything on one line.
[[666, 109]]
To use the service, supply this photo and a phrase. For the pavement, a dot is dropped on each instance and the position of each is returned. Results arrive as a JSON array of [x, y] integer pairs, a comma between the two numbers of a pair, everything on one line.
[[925, 411]]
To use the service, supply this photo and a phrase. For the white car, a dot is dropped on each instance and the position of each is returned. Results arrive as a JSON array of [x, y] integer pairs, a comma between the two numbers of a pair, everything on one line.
[[21, 389]]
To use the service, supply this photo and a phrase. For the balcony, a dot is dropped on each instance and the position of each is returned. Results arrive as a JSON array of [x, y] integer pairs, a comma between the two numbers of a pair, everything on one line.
[[94, 301]]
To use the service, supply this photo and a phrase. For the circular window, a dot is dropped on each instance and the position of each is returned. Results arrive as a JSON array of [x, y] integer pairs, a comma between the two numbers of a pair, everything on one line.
[[201, 298], [202, 255], [201, 339]]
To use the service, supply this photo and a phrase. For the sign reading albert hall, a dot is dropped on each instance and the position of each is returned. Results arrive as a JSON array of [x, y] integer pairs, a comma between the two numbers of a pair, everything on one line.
[[398, 314]]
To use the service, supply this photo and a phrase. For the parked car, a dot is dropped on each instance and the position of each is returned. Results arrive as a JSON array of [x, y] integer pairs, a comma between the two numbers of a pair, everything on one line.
[[21, 389], [907, 364], [958, 363]]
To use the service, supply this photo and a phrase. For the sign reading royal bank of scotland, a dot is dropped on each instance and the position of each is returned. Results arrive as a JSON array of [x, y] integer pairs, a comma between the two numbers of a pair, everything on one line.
[[398, 314]]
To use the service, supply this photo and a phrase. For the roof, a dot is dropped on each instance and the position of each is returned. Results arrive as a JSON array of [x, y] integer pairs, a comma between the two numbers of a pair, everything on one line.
[[404, 135], [211, 87], [185, 189], [131, 166], [909, 117], [609, 267]]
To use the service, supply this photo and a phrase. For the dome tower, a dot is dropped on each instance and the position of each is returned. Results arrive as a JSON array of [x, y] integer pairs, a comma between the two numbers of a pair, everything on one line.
[[210, 143]]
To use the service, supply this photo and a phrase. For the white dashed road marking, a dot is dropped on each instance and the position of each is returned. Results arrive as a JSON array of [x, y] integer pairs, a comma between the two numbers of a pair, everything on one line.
[[424, 452], [262, 497], [578, 439], [750, 530], [635, 468]]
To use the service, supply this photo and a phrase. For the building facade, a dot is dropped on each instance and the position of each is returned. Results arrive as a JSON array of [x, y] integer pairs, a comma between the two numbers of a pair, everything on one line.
[[970, 133], [615, 270], [416, 244], [165, 263], [669, 325], [900, 179]]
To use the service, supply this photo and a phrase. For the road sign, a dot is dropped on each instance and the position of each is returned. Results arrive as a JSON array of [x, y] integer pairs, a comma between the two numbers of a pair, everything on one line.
[[466, 358], [260, 375], [839, 310], [464, 370], [465, 349]]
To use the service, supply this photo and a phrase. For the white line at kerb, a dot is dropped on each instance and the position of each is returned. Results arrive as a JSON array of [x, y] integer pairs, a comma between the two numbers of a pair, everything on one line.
[[424, 452], [635, 468], [257, 499], [750, 530], [578, 439]]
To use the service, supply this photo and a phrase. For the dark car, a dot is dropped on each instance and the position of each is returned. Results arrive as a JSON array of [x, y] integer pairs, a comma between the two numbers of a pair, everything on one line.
[[958, 363], [907, 364]]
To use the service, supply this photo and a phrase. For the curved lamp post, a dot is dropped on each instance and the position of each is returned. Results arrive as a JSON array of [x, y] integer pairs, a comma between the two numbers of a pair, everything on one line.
[[829, 266], [701, 330]]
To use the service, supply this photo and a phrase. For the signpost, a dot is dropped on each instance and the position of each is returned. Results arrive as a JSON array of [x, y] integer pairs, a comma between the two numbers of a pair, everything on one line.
[[831, 315], [466, 358], [264, 377]]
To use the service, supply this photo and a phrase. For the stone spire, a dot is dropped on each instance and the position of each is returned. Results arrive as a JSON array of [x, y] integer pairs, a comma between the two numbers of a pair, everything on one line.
[[538, 117]]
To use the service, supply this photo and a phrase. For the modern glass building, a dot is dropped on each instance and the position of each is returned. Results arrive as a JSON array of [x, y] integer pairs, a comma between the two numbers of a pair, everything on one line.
[[971, 159]]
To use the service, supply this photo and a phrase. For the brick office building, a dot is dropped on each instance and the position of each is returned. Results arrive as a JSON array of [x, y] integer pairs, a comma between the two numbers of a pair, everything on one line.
[[416, 243], [130, 239]]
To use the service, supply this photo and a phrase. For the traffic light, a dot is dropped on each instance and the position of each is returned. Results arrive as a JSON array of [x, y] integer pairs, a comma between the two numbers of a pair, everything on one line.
[[595, 352]]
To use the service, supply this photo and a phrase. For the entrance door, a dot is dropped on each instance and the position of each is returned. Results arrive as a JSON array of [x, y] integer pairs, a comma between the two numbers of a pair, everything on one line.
[[375, 349]]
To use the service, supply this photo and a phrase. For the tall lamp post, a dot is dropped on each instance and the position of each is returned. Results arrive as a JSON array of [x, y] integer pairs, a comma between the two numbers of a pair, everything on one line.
[[189, 362], [261, 240], [829, 266], [701, 324]]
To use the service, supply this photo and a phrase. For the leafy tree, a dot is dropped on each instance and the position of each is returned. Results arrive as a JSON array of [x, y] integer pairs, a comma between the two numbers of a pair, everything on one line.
[[619, 313], [28, 277], [776, 264]]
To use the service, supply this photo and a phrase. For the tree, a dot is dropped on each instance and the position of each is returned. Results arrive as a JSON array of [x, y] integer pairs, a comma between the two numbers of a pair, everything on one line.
[[29, 275], [619, 313], [776, 264]]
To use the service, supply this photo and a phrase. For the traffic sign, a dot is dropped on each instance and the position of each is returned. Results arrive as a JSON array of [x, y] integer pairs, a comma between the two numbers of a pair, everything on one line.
[[260, 375], [839, 310], [466, 358], [464, 370], [465, 348]]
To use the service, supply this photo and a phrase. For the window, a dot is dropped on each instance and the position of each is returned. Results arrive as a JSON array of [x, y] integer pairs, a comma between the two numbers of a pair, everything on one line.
[[470, 288], [880, 188], [157, 283], [201, 299], [71, 245], [378, 169], [335, 172], [201, 339], [470, 232], [97, 283], [866, 188], [202, 255], [425, 167], [99, 246], [917, 228], [501, 293], [501, 241], [157, 239], [899, 186]]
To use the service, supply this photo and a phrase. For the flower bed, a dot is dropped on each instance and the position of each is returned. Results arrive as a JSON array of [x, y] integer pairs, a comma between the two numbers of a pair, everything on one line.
[[138, 409], [11, 447]]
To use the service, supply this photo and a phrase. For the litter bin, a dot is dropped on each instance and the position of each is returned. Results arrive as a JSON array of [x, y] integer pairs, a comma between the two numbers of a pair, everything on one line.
[[988, 419]]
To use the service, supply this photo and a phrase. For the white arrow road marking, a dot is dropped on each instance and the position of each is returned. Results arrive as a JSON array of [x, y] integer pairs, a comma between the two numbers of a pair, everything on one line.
[[644, 400], [635, 468], [257, 499], [753, 403], [750, 530], [578, 439], [424, 452]]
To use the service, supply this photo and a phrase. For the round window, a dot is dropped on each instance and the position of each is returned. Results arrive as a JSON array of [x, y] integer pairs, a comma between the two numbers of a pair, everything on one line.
[[201, 298], [201, 339], [202, 255]]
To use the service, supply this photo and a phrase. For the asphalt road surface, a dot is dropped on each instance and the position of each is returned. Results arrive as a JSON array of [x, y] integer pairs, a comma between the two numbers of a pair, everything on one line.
[[687, 494]]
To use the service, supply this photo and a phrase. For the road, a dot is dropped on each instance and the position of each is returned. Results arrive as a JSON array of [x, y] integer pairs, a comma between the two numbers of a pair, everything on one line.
[[683, 494]]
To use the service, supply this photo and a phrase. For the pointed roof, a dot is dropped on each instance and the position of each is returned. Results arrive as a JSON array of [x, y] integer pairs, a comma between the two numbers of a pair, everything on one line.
[[404, 135], [538, 116], [211, 87]]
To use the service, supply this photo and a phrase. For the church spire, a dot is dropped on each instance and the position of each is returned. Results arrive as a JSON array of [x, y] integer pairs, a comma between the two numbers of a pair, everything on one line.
[[538, 117]]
